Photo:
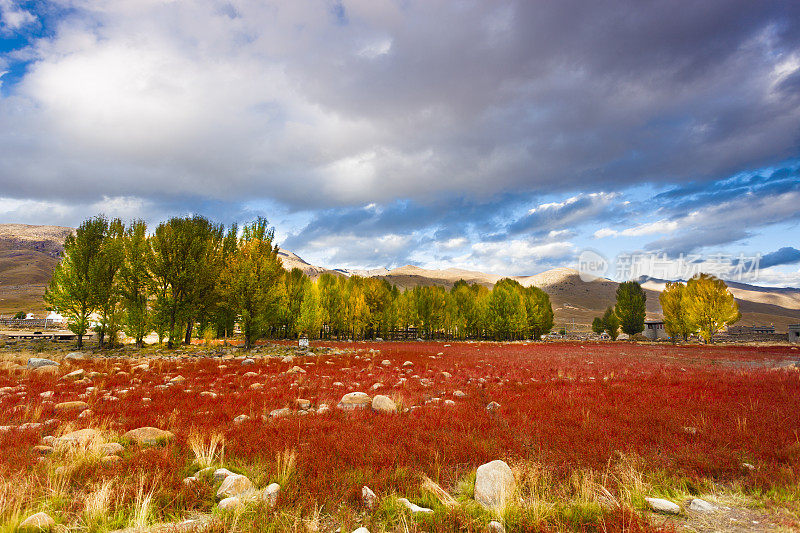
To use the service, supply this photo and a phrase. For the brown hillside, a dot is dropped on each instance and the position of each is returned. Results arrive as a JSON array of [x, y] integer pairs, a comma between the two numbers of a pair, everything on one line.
[[28, 255]]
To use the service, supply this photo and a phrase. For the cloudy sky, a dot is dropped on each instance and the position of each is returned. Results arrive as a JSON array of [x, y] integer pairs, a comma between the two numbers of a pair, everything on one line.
[[505, 136]]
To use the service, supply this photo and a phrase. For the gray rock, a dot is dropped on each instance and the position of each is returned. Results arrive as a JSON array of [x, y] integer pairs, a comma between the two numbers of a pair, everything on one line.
[[248, 361], [37, 522], [219, 474], [241, 419], [368, 497], [234, 485], [271, 494], [230, 503], [280, 413], [414, 508], [361, 530], [493, 406], [383, 404], [75, 356], [354, 400], [701, 506], [149, 436], [496, 527], [659, 505], [494, 484], [38, 362]]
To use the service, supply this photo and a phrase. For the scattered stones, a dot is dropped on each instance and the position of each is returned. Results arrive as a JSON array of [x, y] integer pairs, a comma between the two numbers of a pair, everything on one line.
[[177, 380], [148, 435], [408, 363], [234, 485], [87, 413], [111, 460], [75, 356], [111, 448], [369, 498], [303, 404], [660, 505], [447, 375], [493, 406], [494, 484], [414, 508], [230, 503], [42, 449], [280, 413], [496, 527], [295, 370], [354, 400], [241, 419], [219, 474], [701, 506], [70, 407], [386, 362], [75, 375], [748, 467], [39, 362], [449, 403], [82, 437], [208, 394], [248, 361], [361, 530], [383, 404], [271, 494], [37, 522]]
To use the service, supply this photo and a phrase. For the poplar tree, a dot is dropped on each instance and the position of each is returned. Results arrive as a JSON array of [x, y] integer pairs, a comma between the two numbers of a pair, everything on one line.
[[709, 304], [251, 280], [134, 280], [71, 290], [673, 307], [630, 307], [109, 261]]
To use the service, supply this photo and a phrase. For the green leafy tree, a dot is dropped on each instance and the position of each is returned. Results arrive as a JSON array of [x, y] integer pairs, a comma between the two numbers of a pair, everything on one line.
[[71, 289], [106, 287], [310, 320], [539, 312], [251, 280], [134, 281], [597, 325], [20, 315], [630, 307], [507, 317], [673, 307], [185, 263], [611, 323], [295, 285], [709, 305]]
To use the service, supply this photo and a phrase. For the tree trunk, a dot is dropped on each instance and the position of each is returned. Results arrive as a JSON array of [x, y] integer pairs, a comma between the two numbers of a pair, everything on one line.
[[80, 340], [189, 326]]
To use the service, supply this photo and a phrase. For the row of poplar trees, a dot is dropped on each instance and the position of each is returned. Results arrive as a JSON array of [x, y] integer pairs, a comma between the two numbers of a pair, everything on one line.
[[192, 277], [703, 306]]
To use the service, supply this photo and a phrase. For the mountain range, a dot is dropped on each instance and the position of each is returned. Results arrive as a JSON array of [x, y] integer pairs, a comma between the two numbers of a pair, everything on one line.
[[28, 255]]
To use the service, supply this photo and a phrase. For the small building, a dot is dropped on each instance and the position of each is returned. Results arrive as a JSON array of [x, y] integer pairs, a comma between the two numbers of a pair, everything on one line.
[[750, 330], [794, 333], [654, 330]]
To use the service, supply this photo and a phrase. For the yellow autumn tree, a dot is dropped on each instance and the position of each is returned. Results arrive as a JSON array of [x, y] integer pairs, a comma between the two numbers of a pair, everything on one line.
[[709, 305], [673, 306]]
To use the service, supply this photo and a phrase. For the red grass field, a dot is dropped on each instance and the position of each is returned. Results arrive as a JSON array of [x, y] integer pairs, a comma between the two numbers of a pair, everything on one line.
[[689, 415]]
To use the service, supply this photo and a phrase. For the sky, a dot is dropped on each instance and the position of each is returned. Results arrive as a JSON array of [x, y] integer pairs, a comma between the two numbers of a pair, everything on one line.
[[505, 136]]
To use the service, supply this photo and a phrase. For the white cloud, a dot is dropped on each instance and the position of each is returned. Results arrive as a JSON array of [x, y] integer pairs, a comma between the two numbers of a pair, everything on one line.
[[13, 17], [649, 228]]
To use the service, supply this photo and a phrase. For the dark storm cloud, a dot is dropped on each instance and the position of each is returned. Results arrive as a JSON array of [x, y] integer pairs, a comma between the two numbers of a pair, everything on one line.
[[785, 256], [324, 105]]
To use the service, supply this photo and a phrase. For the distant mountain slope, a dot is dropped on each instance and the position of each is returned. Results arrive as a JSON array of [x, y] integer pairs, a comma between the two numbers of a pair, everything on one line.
[[28, 255]]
